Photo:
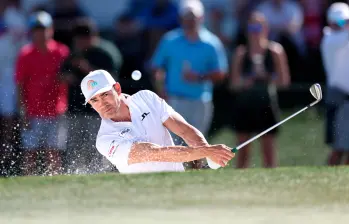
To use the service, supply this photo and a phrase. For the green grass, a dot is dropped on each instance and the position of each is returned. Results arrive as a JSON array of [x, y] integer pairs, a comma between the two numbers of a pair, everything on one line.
[[246, 196], [309, 193], [300, 143]]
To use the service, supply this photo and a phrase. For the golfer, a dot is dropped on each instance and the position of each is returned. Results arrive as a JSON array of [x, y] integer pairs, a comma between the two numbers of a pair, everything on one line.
[[134, 132]]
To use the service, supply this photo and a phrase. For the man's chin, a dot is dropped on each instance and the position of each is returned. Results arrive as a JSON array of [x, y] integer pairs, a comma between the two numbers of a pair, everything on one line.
[[108, 115]]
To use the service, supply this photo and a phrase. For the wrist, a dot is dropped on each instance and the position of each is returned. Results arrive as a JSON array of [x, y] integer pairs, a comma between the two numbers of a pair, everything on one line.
[[201, 151]]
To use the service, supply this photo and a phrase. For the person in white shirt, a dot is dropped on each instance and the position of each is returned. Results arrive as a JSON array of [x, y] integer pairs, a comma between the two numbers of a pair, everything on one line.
[[134, 132], [335, 51]]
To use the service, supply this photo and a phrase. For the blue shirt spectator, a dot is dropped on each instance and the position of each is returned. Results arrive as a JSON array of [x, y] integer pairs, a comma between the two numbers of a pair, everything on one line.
[[204, 56]]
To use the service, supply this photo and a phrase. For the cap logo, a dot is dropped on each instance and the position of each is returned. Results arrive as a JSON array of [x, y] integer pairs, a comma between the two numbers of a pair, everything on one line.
[[91, 84]]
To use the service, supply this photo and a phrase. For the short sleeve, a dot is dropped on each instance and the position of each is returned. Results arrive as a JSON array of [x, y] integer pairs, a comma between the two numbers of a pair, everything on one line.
[[64, 52], [160, 55], [218, 58], [165, 110], [115, 149], [160, 105], [20, 68]]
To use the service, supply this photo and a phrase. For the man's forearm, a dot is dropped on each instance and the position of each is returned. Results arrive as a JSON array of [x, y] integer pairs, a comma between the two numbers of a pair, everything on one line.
[[148, 152], [193, 137], [213, 76]]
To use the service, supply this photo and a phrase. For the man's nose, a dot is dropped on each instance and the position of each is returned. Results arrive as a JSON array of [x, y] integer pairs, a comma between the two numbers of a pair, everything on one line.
[[104, 102]]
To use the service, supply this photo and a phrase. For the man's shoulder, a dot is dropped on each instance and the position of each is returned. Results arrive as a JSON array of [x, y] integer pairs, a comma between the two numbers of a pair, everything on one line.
[[143, 95], [173, 35], [146, 100], [210, 39], [105, 43], [26, 50], [57, 46], [105, 47]]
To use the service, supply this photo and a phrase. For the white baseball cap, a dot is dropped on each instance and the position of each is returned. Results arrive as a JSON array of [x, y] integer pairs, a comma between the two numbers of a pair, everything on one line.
[[191, 6], [337, 12], [96, 82]]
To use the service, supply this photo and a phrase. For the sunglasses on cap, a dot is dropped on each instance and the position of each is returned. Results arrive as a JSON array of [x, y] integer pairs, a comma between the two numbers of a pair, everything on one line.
[[341, 22], [255, 28]]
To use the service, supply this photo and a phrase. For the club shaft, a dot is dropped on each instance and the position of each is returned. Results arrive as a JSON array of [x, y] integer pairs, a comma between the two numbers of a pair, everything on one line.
[[271, 128]]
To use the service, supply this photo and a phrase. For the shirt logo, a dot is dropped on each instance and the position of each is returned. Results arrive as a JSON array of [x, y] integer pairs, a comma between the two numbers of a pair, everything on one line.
[[125, 131], [91, 84], [144, 115], [112, 149]]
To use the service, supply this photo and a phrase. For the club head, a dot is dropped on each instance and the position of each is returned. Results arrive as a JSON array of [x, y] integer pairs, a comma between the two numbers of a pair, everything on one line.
[[315, 90]]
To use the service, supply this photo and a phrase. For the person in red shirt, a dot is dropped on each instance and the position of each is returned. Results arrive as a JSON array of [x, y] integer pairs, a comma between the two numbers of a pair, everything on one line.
[[42, 96]]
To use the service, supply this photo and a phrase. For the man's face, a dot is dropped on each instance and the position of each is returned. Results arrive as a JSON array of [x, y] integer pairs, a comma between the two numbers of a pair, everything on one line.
[[83, 42], [41, 35], [190, 21], [107, 104]]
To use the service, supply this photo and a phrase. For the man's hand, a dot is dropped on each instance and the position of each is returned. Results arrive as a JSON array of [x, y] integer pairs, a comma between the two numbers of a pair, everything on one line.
[[219, 154], [191, 76]]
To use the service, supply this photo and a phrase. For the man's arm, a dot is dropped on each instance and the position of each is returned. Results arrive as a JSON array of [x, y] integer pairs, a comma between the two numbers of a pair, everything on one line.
[[127, 152], [149, 152], [178, 125], [215, 76]]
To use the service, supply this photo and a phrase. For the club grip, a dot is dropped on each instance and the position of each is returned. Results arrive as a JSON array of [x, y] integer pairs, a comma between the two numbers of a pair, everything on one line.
[[234, 150]]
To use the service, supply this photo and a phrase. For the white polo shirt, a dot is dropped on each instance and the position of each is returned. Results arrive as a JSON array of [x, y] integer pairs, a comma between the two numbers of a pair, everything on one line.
[[148, 112], [335, 53]]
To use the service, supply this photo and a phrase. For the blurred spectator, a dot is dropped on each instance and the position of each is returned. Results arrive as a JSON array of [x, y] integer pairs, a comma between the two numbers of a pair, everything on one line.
[[12, 38], [243, 12], [314, 12], [129, 37], [222, 20], [285, 19], [90, 52], [193, 59], [65, 14], [136, 7], [30, 6], [158, 17], [104, 12], [258, 68], [42, 96], [335, 51], [314, 21]]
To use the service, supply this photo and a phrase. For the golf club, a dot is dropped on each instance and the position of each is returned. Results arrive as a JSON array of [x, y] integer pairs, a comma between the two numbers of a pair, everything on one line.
[[315, 91]]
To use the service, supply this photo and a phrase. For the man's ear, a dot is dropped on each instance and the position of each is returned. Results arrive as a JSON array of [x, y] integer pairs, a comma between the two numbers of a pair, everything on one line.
[[117, 88]]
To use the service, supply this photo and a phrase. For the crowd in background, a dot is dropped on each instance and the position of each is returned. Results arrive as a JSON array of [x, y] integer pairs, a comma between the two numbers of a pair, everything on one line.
[[248, 47]]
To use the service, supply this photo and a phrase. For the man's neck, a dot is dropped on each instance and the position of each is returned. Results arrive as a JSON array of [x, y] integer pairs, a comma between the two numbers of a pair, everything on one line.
[[123, 114], [41, 46], [192, 35]]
